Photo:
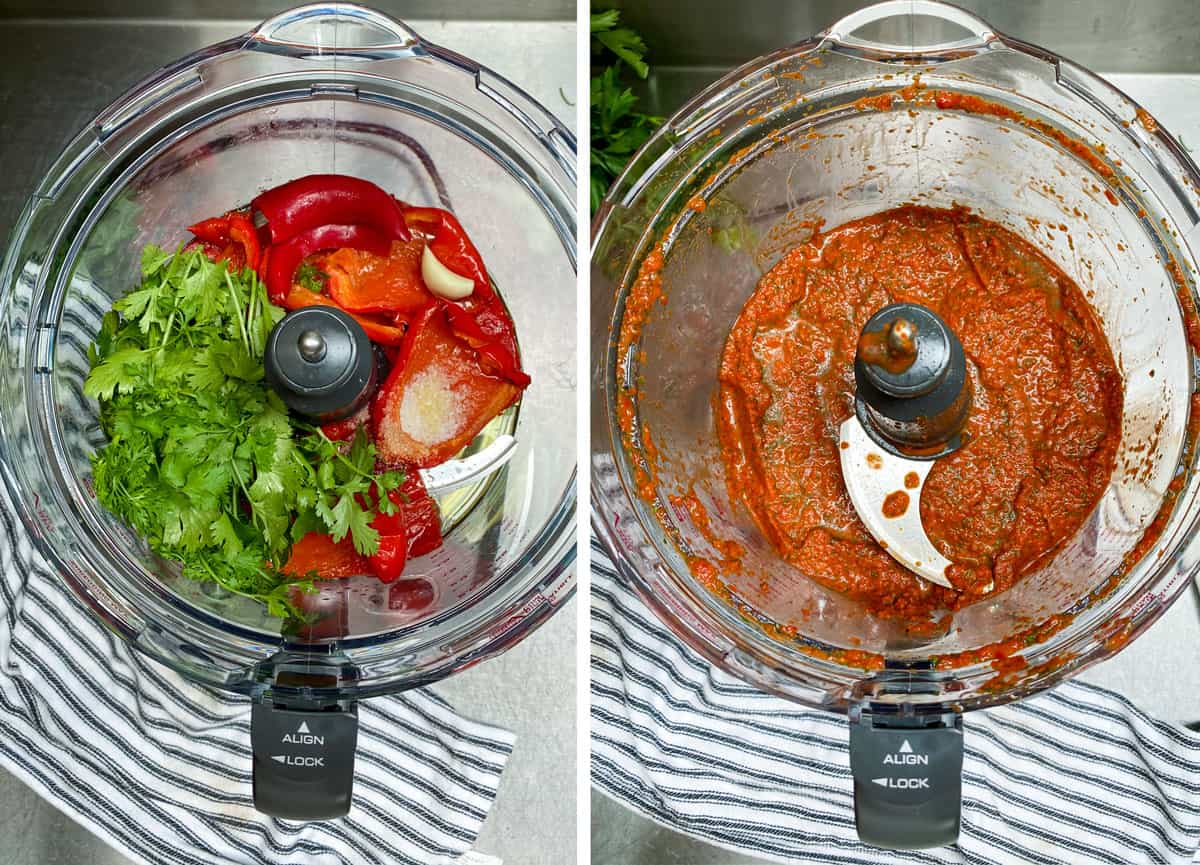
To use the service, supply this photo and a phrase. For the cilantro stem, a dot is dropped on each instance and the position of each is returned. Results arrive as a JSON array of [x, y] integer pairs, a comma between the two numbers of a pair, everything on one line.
[[237, 306], [274, 576], [242, 483], [337, 453], [252, 316], [167, 333]]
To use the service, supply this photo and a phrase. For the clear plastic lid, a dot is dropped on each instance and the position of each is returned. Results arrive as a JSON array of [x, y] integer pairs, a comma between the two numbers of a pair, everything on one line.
[[323, 88]]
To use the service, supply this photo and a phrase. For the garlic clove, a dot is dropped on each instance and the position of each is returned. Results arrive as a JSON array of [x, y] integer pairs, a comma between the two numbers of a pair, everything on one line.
[[441, 280]]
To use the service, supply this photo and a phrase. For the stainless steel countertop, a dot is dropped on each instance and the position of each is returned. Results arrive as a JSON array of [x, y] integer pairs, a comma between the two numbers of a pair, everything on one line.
[[1158, 671], [54, 76]]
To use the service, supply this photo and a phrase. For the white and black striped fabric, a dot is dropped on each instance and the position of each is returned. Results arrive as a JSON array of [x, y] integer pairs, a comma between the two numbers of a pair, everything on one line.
[[1076, 775], [160, 768]]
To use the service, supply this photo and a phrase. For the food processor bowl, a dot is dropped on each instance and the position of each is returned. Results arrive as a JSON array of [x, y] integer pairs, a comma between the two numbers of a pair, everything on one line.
[[331, 88], [900, 103]]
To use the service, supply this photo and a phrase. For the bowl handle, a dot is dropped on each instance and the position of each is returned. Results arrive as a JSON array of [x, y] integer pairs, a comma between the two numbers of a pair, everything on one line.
[[843, 31], [907, 778], [335, 28], [303, 735]]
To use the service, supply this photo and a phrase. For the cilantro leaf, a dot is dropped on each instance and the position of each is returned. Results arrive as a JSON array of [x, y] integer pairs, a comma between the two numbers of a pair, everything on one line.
[[311, 277]]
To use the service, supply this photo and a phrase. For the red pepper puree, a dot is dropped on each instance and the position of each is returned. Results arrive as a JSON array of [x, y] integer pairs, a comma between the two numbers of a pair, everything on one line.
[[1040, 441]]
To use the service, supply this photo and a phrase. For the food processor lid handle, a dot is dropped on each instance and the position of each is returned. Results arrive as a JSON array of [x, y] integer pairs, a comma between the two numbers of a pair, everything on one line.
[[303, 735], [303, 761], [907, 778]]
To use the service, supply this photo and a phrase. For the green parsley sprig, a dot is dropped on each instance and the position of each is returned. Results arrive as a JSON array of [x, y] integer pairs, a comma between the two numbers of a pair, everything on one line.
[[203, 460]]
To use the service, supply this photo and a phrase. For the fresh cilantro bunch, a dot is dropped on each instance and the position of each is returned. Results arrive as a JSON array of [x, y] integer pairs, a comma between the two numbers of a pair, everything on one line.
[[202, 459], [617, 129]]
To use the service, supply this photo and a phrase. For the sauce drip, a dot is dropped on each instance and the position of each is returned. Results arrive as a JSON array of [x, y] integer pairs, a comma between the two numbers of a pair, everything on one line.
[[895, 504], [1041, 438]]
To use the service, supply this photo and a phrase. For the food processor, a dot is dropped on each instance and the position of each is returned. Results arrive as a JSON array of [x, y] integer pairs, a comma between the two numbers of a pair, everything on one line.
[[906, 102], [329, 88]]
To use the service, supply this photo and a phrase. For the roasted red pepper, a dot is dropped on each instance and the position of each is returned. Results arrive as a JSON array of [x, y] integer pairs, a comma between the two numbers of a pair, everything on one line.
[[215, 230], [363, 282], [377, 331], [417, 516], [388, 562], [278, 267], [479, 319], [316, 552], [212, 250], [330, 199], [235, 234], [496, 346], [450, 243], [437, 397], [344, 429], [414, 529], [242, 230]]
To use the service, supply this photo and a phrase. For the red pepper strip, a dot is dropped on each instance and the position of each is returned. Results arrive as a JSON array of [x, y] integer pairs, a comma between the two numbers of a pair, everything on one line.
[[234, 227], [215, 230], [329, 199], [280, 265], [423, 517], [234, 255], [413, 530], [377, 331], [480, 320], [317, 552], [242, 231], [212, 250], [362, 282], [344, 429], [388, 562], [447, 396], [496, 355], [451, 246], [417, 516]]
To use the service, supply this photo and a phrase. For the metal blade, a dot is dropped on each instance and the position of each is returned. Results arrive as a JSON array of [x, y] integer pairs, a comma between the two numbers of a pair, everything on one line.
[[458, 473], [872, 475]]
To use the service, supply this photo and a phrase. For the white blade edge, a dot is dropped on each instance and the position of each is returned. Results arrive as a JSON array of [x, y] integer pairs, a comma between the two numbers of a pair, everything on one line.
[[458, 473], [871, 475]]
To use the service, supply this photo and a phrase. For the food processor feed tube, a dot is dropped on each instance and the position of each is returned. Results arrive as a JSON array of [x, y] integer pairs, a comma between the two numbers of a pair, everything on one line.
[[356, 104], [1019, 199]]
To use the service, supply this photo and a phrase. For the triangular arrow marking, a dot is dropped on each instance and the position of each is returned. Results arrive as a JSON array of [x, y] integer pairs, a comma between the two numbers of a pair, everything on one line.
[[882, 782], [304, 729], [279, 758], [906, 748]]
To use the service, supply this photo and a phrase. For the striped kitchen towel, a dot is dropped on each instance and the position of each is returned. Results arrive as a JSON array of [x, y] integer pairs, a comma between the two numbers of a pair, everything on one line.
[[1074, 776], [160, 768]]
